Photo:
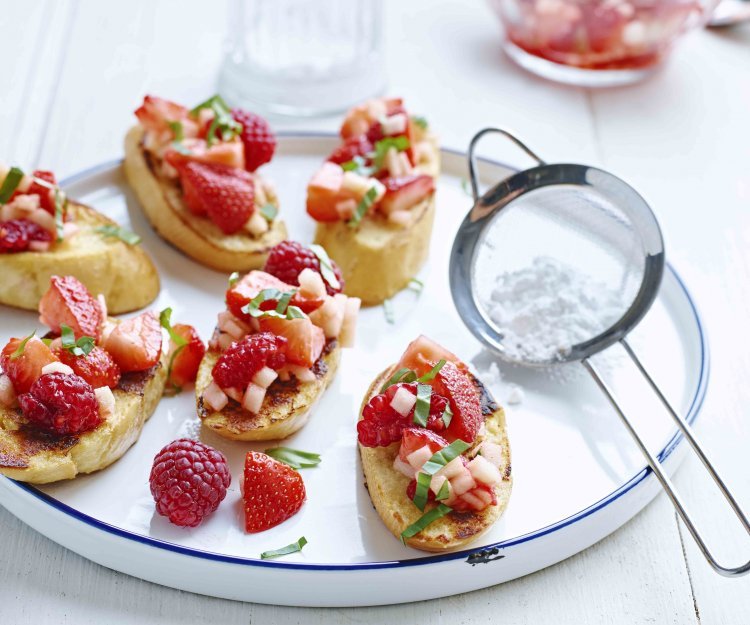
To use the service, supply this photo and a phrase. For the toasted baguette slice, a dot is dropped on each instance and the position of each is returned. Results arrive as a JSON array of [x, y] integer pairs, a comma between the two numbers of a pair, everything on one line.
[[29, 456], [196, 236], [123, 273], [387, 487], [286, 407]]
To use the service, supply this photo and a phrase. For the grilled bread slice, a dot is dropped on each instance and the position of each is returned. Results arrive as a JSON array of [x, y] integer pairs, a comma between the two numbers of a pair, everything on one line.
[[387, 487], [196, 236], [286, 407], [123, 273], [30, 456]]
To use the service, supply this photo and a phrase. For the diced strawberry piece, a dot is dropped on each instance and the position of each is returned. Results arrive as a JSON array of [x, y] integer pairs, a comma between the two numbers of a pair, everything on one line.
[[229, 153], [239, 295], [414, 438], [97, 367], [354, 146], [25, 369], [406, 192], [156, 113], [272, 492], [422, 354], [135, 343], [464, 399], [258, 139], [68, 302], [305, 340], [46, 195], [324, 191], [225, 194], [185, 359]]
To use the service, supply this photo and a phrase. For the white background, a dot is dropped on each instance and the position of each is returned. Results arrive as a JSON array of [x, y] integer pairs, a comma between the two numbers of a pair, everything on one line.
[[74, 71]]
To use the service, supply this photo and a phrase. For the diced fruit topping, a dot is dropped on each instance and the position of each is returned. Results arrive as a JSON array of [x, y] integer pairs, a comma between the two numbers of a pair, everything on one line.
[[354, 146], [464, 401], [326, 195], [17, 234], [415, 438], [272, 492], [185, 358], [305, 341], [403, 193], [156, 113], [242, 292], [422, 354], [23, 362], [45, 193], [68, 302], [383, 423], [135, 343], [197, 150], [225, 194], [257, 137], [61, 403], [97, 367], [188, 481], [239, 364], [287, 259]]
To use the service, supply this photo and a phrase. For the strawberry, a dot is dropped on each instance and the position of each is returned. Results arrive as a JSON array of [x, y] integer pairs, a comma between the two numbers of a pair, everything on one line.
[[24, 369], [227, 153], [464, 399], [404, 193], [97, 367], [305, 341], [225, 194], [354, 146], [254, 282], [414, 438], [324, 192], [422, 353], [68, 302], [135, 343], [156, 113], [257, 138], [272, 492], [46, 195], [185, 359]]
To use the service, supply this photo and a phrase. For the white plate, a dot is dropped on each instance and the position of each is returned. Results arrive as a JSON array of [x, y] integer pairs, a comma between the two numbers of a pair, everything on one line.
[[577, 475]]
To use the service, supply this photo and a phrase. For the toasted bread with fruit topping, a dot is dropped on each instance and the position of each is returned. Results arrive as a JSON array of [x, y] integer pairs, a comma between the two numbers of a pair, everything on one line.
[[76, 401], [42, 234], [276, 348], [195, 179], [474, 483], [373, 199]]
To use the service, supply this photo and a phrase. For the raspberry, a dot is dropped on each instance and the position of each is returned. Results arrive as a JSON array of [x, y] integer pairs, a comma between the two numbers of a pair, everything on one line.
[[238, 365], [381, 425], [257, 137], [97, 367], [288, 258], [14, 236], [61, 403], [272, 492], [188, 481]]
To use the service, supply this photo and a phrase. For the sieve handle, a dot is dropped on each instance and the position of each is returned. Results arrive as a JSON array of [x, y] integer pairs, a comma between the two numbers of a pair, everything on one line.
[[659, 470], [473, 159]]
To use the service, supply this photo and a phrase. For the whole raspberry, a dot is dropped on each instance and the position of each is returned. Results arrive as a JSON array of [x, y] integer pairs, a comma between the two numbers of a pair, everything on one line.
[[188, 481], [287, 259], [61, 403], [97, 367], [237, 366], [381, 425], [16, 234], [257, 138]]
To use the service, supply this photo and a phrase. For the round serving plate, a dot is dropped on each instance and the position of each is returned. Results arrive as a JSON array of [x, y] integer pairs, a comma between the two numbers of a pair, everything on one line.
[[577, 475]]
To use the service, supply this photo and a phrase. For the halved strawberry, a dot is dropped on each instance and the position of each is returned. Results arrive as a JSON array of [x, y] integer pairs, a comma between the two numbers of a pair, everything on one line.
[[156, 113], [26, 368], [324, 192], [272, 492], [68, 302], [354, 146], [184, 363], [415, 438], [251, 284], [305, 341], [97, 367], [464, 400], [225, 194], [422, 354], [135, 343], [404, 193]]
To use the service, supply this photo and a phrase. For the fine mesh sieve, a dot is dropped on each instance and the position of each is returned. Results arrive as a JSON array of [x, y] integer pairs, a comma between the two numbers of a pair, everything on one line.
[[555, 264]]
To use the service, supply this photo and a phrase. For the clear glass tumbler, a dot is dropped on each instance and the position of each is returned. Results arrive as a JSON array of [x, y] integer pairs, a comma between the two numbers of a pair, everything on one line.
[[303, 57]]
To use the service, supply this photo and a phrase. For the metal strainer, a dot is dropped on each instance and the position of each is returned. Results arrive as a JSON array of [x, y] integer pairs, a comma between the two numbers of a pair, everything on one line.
[[597, 222]]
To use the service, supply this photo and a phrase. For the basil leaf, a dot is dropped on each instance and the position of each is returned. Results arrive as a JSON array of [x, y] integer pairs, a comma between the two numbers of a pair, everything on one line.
[[47, 341], [61, 203], [112, 230], [81, 347], [443, 456], [388, 311], [420, 121], [177, 130], [165, 319], [284, 551], [422, 408], [284, 302], [21, 346], [430, 375], [67, 337], [400, 143], [426, 519], [269, 212], [447, 416], [444, 492], [282, 311], [364, 205], [223, 121], [294, 312], [416, 285], [294, 457], [404, 375], [10, 184], [359, 166], [466, 188], [326, 268], [234, 278], [422, 492]]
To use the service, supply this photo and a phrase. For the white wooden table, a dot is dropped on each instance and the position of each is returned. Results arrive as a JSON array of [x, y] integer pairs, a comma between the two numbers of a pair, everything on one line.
[[74, 71]]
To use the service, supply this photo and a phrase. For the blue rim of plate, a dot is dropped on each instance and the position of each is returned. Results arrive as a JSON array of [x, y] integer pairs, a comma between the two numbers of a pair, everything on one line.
[[636, 480]]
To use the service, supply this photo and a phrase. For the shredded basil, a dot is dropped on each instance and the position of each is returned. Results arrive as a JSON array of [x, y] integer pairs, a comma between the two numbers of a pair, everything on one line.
[[430, 375], [364, 205], [22, 345], [165, 319], [326, 267], [294, 457], [388, 311], [420, 121], [61, 204], [447, 416], [400, 143], [416, 285], [177, 130], [403, 375], [269, 212], [422, 409], [359, 166], [284, 551], [234, 278], [10, 184], [444, 492], [466, 188], [282, 311], [443, 456], [111, 230], [80, 347], [422, 492], [426, 519], [294, 312], [223, 121]]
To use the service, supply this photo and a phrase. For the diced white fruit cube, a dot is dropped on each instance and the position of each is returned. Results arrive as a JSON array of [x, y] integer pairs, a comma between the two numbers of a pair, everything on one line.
[[403, 401], [253, 399], [463, 483], [56, 367], [106, 400], [214, 397], [265, 377], [484, 472], [311, 284], [418, 457]]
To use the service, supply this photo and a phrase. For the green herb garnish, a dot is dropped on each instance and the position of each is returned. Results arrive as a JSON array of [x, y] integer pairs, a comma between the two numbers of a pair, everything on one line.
[[111, 230], [422, 409], [294, 312], [326, 268], [430, 375], [269, 212], [444, 492], [466, 188], [388, 311], [447, 415], [80, 347], [10, 184], [61, 203], [364, 205], [400, 143], [402, 375], [426, 519], [282, 311], [359, 166], [223, 122], [22, 345], [416, 285], [234, 278], [177, 130], [443, 456], [422, 491], [284, 551], [420, 121], [165, 319], [294, 457]]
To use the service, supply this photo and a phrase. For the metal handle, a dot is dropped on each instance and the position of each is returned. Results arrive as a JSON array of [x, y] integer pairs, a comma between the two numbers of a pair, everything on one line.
[[473, 159], [659, 471]]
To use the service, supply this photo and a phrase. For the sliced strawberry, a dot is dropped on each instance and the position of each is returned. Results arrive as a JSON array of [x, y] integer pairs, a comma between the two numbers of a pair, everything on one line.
[[305, 341], [251, 284], [354, 146], [185, 359], [272, 492], [156, 113], [416, 438], [26, 368], [135, 343], [325, 192], [404, 193], [68, 302], [422, 354], [257, 137], [225, 194], [97, 367], [227, 153], [464, 399]]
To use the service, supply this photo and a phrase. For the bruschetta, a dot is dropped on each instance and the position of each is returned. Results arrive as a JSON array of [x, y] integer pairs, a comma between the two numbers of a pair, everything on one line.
[[373, 199], [276, 347], [43, 233], [75, 400], [194, 172], [434, 450]]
